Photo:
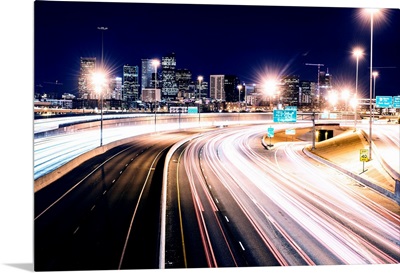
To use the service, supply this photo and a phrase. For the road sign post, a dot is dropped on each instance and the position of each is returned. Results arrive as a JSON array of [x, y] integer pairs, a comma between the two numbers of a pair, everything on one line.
[[270, 134], [364, 158]]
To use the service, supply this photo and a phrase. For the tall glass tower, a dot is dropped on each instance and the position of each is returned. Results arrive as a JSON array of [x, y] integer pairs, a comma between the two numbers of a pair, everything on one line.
[[147, 72], [85, 85], [130, 84], [170, 86]]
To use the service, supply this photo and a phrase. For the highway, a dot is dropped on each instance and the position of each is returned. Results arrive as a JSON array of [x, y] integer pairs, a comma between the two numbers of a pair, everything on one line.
[[230, 203], [279, 206], [105, 213]]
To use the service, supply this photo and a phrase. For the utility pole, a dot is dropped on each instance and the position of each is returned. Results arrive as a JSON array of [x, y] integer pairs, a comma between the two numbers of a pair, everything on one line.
[[318, 93]]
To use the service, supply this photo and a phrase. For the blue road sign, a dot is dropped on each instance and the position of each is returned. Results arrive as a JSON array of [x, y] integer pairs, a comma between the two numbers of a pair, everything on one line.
[[287, 115], [270, 132], [396, 102], [192, 110], [384, 101]]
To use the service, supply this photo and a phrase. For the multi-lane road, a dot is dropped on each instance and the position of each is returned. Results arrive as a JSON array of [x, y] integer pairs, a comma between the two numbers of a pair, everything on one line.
[[229, 202], [278, 207], [105, 213]]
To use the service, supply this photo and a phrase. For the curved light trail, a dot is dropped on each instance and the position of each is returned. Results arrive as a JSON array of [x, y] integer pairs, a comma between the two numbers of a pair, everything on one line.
[[306, 214]]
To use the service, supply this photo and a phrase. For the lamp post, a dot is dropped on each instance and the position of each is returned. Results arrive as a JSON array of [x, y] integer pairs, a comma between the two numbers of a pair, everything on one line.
[[374, 74], [200, 79], [357, 53], [239, 88], [101, 91], [372, 11], [99, 81], [155, 63]]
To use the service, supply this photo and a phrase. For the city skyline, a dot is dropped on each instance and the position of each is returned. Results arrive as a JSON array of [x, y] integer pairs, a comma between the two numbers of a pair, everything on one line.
[[251, 42]]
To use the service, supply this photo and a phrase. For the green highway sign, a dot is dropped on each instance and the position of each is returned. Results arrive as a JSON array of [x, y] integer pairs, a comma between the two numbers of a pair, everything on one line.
[[287, 115], [396, 102], [192, 110], [270, 132], [384, 101]]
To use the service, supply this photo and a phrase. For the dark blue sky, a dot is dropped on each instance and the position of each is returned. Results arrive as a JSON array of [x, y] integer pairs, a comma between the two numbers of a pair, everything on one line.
[[247, 41]]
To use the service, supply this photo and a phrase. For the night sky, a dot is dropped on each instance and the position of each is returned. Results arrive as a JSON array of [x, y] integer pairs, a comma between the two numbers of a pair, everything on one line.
[[251, 42]]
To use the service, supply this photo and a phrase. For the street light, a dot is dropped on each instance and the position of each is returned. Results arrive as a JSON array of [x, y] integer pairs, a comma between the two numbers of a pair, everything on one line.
[[358, 53], [374, 74], [270, 89], [99, 80], [239, 87], [155, 63], [371, 11], [103, 80], [199, 78], [345, 97]]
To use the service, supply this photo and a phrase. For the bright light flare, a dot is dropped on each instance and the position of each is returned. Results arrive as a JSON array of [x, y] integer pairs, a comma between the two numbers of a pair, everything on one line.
[[345, 94], [333, 98], [270, 87], [375, 74], [99, 79], [358, 52], [379, 16], [354, 102], [155, 62]]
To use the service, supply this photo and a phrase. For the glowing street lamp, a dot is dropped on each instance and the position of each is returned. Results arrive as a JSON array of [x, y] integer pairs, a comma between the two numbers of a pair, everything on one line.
[[358, 53], [99, 81], [200, 79], [374, 74], [239, 87], [155, 63], [372, 12], [270, 89], [345, 97]]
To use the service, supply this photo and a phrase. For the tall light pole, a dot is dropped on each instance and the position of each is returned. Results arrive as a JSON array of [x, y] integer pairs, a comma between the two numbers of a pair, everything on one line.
[[374, 74], [372, 11], [101, 92], [357, 52], [200, 79], [155, 63], [239, 87]]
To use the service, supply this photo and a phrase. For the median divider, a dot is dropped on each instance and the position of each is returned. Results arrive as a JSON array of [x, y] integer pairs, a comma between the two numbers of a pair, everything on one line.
[[163, 205]]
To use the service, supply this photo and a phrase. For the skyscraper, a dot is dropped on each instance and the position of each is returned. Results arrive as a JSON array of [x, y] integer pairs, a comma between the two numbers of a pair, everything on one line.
[[230, 87], [85, 85], [183, 79], [130, 84], [116, 88], [147, 74], [291, 90], [169, 84], [217, 90]]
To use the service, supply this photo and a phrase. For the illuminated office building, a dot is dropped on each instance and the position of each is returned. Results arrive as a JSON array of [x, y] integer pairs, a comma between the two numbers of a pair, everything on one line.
[[217, 91], [290, 90], [85, 84], [130, 84], [169, 84], [231, 83], [148, 75]]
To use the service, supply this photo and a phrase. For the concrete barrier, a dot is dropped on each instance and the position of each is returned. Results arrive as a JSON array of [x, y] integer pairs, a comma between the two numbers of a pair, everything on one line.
[[394, 196], [49, 178]]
